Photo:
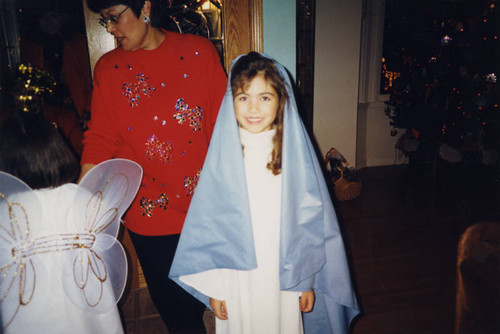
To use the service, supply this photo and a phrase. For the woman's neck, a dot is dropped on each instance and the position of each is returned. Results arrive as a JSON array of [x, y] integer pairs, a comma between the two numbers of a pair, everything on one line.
[[155, 37]]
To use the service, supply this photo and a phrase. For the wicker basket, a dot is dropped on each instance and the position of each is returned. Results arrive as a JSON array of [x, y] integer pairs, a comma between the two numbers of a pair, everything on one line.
[[345, 187]]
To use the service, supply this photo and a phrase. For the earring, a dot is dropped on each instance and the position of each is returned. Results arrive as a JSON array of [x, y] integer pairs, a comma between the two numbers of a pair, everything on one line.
[[146, 19]]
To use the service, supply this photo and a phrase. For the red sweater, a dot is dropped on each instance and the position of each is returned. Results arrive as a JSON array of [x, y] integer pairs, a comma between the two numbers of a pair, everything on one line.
[[158, 108]]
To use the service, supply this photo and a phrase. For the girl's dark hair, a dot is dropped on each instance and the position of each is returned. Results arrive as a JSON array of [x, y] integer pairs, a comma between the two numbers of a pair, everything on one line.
[[33, 150], [244, 70]]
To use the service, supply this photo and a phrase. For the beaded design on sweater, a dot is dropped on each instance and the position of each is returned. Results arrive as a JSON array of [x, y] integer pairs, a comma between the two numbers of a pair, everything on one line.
[[191, 182], [155, 148], [158, 149], [194, 115], [133, 91]]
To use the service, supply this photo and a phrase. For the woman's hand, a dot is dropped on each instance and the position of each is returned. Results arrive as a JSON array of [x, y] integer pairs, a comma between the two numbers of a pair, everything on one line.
[[219, 308], [307, 301]]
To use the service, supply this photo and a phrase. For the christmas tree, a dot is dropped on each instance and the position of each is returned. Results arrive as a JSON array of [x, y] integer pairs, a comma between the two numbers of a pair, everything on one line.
[[440, 62]]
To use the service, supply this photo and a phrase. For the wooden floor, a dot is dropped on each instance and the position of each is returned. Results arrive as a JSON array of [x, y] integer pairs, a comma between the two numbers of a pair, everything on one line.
[[401, 234]]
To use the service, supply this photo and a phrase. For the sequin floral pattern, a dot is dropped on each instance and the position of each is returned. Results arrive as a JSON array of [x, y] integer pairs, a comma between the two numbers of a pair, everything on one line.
[[191, 182], [194, 116], [134, 91], [155, 148], [148, 205]]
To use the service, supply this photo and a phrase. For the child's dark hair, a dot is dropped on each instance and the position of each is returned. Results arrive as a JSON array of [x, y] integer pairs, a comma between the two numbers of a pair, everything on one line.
[[244, 70], [33, 150]]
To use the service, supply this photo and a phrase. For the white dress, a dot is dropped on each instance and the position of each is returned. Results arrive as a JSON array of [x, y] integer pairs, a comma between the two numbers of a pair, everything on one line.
[[253, 298], [50, 311]]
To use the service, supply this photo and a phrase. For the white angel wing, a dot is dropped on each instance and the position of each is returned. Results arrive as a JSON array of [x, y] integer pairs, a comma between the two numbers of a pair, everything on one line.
[[108, 189], [99, 268], [19, 211]]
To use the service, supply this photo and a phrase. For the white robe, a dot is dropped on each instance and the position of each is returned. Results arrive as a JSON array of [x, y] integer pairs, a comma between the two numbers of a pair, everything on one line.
[[50, 311], [253, 298]]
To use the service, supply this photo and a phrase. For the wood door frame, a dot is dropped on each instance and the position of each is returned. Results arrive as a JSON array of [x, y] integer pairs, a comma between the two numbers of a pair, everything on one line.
[[242, 28]]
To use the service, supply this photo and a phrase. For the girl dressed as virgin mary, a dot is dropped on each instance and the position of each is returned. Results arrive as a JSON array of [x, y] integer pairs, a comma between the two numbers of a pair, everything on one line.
[[261, 243]]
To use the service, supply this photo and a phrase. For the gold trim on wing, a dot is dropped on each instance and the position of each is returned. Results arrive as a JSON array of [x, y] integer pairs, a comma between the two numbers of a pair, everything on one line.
[[96, 223]]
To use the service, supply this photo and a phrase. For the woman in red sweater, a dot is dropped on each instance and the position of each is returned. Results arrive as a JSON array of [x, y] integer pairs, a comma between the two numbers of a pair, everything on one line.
[[155, 101]]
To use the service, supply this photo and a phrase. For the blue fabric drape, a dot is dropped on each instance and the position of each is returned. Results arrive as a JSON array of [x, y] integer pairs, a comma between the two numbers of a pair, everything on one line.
[[217, 232]]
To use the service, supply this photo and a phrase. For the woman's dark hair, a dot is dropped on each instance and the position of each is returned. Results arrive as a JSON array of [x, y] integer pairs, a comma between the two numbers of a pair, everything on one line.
[[33, 150], [97, 5], [244, 70], [158, 8]]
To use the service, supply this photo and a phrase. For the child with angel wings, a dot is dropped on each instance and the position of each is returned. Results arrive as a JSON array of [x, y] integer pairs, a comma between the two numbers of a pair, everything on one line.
[[61, 268]]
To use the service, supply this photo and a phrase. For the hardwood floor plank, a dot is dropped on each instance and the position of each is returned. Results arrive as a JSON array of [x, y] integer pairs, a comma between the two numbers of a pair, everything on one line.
[[401, 235]]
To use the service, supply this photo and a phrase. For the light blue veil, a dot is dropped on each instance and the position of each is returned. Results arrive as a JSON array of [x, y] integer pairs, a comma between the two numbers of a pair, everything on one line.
[[217, 232]]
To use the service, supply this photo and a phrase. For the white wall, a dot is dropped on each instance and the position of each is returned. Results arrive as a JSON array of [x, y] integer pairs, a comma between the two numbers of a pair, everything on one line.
[[348, 49], [375, 146], [279, 30], [336, 74]]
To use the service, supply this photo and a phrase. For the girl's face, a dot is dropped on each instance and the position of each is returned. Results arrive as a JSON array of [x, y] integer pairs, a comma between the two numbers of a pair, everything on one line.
[[256, 107], [130, 31]]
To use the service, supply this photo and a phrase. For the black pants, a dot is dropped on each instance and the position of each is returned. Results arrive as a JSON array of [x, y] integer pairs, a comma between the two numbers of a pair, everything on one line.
[[181, 312]]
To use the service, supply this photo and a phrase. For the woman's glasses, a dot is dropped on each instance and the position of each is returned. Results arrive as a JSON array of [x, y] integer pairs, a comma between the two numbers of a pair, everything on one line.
[[113, 19]]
